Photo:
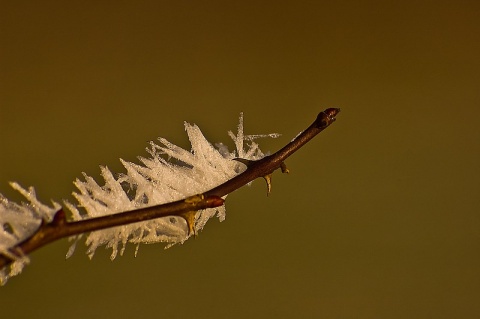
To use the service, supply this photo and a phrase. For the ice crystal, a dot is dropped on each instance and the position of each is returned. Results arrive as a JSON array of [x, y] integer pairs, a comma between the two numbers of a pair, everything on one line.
[[169, 174], [18, 222]]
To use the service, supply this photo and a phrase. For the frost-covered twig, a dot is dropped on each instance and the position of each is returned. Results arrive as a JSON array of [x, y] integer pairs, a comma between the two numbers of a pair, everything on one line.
[[185, 207]]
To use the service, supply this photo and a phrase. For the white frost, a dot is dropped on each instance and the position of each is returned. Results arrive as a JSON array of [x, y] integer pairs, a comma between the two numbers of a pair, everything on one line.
[[18, 222], [169, 174]]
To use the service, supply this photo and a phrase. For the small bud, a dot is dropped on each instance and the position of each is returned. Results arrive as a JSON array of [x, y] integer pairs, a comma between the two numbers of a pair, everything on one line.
[[214, 201], [326, 117]]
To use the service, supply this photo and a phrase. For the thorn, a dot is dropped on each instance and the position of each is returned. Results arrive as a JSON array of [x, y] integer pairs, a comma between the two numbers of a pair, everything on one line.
[[284, 168], [190, 215], [190, 219], [59, 218], [268, 179]]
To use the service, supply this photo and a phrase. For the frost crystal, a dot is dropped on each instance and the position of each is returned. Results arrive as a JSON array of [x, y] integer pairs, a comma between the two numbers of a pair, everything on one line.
[[18, 222], [169, 174]]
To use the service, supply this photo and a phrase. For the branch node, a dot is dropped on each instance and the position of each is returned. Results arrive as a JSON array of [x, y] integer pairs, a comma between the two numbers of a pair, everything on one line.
[[213, 201], [199, 201]]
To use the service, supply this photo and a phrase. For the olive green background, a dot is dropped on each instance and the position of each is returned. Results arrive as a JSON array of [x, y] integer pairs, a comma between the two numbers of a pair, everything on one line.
[[379, 217]]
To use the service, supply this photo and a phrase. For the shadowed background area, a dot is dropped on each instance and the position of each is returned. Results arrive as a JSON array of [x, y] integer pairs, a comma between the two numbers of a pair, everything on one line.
[[379, 217]]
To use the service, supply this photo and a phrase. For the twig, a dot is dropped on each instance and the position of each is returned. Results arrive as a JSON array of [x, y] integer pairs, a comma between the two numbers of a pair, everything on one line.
[[59, 227]]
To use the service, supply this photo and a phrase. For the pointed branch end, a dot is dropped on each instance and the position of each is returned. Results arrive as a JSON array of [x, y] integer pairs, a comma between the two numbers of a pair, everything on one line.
[[326, 117]]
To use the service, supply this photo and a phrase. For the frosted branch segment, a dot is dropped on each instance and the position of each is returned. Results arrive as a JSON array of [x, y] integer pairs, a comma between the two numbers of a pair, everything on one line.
[[171, 173]]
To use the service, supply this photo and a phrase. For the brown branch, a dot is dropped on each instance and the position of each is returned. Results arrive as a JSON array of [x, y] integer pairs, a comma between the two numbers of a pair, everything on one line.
[[59, 227]]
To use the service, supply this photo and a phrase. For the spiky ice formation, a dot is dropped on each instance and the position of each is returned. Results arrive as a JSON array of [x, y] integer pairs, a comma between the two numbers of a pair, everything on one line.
[[18, 222], [169, 174]]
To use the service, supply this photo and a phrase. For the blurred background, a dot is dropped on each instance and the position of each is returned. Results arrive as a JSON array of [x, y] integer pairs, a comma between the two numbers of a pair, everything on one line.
[[379, 217]]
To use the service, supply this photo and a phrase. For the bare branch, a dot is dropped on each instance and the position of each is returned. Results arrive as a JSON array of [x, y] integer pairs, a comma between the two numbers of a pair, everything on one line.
[[59, 227]]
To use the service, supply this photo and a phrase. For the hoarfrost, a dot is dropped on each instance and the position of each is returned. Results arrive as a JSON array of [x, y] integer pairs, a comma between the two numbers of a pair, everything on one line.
[[169, 174]]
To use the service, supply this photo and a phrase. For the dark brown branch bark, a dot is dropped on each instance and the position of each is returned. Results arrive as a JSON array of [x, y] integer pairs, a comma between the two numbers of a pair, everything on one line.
[[59, 227], [268, 164]]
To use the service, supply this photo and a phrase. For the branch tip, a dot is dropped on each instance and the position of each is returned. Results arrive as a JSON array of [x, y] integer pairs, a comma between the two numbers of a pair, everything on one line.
[[326, 117]]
